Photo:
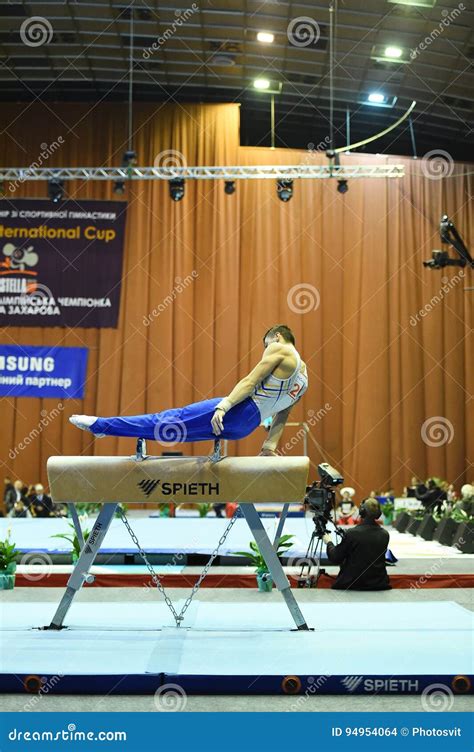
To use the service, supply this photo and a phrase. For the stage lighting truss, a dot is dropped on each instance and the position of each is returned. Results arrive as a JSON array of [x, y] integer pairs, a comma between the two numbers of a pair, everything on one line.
[[262, 172]]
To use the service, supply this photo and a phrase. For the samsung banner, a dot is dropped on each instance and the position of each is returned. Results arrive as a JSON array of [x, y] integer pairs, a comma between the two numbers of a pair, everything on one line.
[[60, 264], [27, 371]]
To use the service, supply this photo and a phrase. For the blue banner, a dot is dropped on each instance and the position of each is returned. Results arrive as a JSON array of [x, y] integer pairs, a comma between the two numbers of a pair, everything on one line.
[[233, 732], [28, 371]]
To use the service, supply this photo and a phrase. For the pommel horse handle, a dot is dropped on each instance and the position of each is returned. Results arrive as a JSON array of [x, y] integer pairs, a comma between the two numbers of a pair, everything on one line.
[[141, 454]]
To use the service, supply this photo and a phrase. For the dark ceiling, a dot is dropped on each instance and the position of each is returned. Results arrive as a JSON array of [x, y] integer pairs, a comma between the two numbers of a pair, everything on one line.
[[208, 51]]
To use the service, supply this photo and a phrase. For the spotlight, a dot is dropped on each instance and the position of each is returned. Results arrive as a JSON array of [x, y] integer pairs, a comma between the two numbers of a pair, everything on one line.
[[284, 189], [129, 159], [56, 190], [375, 97], [229, 187], [265, 37], [393, 52], [261, 83], [176, 186], [342, 186]]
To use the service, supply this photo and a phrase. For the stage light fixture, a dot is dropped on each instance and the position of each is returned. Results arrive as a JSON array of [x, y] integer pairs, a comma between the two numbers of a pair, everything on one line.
[[129, 159], [176, 186], [265, 37], [56, 190], [284, 189], [342, 186], [229, 187]]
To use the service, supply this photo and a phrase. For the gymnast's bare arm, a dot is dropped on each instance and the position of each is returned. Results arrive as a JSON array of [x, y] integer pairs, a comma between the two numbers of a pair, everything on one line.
[[273, 356]]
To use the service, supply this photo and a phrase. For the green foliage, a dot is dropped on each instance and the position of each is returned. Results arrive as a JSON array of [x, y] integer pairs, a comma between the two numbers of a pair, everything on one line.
[[460, 515], [73, 539], [8, 554], [387, 508], [255, 555], [203, 509]]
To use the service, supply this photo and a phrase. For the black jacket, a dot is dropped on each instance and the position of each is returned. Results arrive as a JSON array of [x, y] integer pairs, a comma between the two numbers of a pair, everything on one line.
[[432, 499], [361, 555], [43, 507]]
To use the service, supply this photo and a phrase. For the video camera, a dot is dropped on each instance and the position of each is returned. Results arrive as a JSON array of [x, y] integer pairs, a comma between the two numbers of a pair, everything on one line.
[[321, 496]]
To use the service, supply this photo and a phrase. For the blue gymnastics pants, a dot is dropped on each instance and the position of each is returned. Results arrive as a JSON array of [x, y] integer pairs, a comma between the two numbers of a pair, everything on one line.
[[182, 424]]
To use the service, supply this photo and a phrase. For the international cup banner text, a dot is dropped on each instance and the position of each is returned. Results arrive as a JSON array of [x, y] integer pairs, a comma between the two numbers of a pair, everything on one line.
[[29, 371], [61, 264]]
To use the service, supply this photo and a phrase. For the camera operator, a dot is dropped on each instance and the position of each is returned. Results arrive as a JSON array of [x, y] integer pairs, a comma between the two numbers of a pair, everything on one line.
[[361, 553]]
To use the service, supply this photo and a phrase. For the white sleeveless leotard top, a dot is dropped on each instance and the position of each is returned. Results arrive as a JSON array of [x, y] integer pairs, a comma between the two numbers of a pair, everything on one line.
[[273, 395]]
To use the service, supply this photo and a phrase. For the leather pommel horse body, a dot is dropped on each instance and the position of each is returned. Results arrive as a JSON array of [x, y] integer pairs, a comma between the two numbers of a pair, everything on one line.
[[134, 480], [163, 479]]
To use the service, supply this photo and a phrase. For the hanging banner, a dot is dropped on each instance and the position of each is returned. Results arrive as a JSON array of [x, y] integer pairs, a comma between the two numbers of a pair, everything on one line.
[[28, 371], [61, 264]]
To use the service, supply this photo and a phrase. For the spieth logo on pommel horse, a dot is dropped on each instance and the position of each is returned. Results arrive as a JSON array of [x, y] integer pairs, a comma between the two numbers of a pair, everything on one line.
[[114, 480]]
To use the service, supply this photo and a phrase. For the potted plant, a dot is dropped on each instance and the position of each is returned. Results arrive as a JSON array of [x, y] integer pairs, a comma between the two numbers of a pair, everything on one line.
[[8, 554], [73, 540], [387, 512], [203, 509], [264, 579]]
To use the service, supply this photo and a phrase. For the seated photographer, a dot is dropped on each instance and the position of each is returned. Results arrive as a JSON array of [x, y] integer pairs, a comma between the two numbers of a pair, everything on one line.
[[361, 553]]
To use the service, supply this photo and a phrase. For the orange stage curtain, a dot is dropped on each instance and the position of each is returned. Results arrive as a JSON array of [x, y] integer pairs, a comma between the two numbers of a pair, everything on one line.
[[344, 271]]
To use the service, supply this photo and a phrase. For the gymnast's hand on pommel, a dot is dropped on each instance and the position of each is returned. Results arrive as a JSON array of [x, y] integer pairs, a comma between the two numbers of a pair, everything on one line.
[[217, 421], [264, 452]]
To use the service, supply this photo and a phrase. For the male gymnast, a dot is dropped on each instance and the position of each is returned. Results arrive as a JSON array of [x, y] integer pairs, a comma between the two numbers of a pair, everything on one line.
[[269, 390]]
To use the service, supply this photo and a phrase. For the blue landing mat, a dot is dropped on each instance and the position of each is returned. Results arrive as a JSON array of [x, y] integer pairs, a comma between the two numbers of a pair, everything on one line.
[[238, 648]]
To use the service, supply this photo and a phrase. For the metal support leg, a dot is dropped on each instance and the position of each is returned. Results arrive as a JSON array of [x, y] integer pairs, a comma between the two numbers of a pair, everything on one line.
[[140, 453], [84, 563], [281, 522], [273, 562], [77, 524], [216, 455]]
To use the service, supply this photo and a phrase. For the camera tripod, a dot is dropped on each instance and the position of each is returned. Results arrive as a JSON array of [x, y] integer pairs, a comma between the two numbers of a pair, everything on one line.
[[306, 578]]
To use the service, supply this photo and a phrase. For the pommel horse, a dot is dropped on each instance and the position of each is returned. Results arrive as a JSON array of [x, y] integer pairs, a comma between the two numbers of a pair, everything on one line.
[[140, 478]]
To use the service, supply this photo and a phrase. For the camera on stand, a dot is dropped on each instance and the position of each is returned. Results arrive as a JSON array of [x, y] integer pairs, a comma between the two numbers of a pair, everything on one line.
[[321, 500]]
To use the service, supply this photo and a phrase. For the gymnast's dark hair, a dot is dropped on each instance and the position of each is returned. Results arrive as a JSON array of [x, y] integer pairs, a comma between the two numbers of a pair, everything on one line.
[[282, 329]]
